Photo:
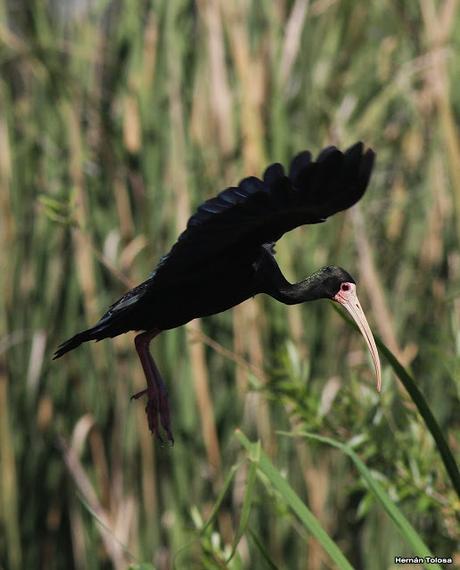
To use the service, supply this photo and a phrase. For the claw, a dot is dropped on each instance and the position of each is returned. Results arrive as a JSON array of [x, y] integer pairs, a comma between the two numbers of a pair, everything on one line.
[[157, 408], [138, 394]]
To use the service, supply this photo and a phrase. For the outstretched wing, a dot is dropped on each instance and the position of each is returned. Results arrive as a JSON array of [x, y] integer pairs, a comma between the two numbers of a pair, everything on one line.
[[257, 211]]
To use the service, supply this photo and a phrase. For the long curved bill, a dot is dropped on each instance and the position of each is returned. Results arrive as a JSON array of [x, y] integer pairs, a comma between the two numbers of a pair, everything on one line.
[[347, 298]]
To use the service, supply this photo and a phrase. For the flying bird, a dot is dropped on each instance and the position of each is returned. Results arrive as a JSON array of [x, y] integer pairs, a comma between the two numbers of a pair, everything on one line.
[[226, 255]]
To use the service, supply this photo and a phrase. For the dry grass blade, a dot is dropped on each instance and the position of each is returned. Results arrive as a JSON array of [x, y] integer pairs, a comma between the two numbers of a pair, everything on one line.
[[115, 549]]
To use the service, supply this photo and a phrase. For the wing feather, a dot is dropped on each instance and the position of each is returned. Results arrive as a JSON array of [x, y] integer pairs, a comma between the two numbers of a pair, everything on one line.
[[256, 212]]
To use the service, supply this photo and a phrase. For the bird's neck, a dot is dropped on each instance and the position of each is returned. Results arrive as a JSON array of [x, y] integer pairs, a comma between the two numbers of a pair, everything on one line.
[[278, 287], [301, 292]]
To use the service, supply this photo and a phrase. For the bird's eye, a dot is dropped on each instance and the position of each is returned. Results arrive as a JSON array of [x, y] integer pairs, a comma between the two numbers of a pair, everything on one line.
[[345, 287]]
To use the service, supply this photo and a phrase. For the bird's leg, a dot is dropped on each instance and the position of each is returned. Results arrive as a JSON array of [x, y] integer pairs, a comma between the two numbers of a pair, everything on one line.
[[163, 401], [157, 403]]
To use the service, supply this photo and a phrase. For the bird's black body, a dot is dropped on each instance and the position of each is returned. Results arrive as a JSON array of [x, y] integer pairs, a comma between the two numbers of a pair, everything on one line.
[[226, 254]]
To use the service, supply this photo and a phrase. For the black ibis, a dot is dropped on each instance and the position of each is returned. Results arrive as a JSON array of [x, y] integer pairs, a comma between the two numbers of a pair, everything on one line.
[[226, 255]]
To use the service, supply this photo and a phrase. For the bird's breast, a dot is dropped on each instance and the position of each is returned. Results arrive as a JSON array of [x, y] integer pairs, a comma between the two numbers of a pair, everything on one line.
[[208, 291]]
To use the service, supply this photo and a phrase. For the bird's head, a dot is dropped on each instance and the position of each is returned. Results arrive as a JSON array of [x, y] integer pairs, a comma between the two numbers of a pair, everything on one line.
[[338, 285], [328, 282]]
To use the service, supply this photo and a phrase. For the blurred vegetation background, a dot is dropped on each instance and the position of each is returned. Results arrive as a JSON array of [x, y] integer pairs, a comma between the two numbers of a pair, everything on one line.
[[117, 118]]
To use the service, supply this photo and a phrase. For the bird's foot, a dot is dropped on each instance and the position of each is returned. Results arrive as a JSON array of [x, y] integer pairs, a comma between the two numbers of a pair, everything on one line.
[[157, 408]]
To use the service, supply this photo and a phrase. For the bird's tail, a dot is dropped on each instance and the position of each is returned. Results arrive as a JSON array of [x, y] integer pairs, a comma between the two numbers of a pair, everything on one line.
[[121, 317], [98, 332]]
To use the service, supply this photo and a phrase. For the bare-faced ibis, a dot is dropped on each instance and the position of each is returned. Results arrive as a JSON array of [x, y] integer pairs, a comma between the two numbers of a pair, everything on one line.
[[226, 256]]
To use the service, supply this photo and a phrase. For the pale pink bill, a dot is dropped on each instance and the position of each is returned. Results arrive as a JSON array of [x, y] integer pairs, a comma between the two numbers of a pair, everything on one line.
[[347, 298]]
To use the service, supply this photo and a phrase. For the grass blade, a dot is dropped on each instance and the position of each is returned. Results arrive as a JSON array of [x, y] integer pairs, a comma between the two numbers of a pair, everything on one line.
[[220, 498], [308, 519], [247, 501], [263, 551], [403, 525]]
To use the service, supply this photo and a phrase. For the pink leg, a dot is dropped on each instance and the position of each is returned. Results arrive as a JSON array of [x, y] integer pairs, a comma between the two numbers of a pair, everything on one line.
[[157, 403]]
